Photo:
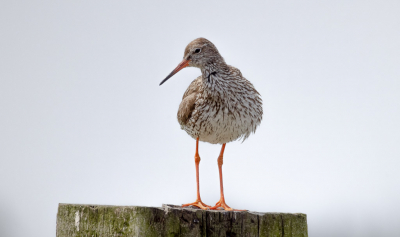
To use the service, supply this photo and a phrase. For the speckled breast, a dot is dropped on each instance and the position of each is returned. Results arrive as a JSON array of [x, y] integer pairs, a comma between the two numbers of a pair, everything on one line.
[[224, 110]]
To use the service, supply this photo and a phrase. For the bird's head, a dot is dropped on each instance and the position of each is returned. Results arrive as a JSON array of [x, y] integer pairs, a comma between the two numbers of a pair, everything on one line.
[[198, 53]]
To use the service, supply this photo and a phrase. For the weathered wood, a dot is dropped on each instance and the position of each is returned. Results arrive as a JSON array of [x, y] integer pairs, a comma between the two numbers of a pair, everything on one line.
[[95, 220]]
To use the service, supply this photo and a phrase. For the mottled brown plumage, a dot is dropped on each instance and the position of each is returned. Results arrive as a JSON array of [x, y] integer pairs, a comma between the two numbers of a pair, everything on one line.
[[188, 103], [219, 106]]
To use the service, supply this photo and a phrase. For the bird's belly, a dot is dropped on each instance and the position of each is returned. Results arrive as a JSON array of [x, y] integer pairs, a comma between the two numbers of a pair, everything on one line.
[[218, 125]]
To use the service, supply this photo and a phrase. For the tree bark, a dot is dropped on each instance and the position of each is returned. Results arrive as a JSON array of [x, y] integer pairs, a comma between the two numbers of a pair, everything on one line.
[[169, 220]]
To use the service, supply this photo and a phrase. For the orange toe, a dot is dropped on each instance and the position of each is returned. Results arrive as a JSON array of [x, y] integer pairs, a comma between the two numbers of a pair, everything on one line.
[[222, 205], [199, 204]]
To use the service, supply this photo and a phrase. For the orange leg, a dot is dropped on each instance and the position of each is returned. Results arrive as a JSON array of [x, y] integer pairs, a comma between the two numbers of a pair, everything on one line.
[[221, 203], [198, 202]]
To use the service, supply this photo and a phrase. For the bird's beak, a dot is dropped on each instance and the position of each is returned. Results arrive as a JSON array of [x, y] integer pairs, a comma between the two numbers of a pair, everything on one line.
[[183, 64]]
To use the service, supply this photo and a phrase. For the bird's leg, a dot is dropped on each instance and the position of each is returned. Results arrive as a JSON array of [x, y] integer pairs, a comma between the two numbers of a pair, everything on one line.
[[221, 203], [198, 202]]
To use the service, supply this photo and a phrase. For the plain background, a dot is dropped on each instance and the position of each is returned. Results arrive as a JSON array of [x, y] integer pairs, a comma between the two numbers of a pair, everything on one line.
[[83, 119]]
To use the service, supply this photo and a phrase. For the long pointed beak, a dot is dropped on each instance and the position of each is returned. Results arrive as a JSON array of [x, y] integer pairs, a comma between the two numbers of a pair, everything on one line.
[[183, 64]]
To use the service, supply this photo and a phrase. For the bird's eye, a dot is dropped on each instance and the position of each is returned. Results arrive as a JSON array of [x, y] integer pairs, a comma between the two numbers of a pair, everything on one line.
[[197, 51]]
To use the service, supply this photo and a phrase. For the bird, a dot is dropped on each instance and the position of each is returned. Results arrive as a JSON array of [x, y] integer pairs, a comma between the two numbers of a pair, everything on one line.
[[218, 107]]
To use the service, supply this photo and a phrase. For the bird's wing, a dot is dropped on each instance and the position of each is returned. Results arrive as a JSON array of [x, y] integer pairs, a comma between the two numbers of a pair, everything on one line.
[[193, 87], [188, 101]]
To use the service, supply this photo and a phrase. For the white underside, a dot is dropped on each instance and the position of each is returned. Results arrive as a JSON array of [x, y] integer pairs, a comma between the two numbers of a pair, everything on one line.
[[221, 127]]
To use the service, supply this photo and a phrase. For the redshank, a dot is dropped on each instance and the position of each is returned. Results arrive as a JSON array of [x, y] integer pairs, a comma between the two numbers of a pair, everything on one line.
[[218, 107]]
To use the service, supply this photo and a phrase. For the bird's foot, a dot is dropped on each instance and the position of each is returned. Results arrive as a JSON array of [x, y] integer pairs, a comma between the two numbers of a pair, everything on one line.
[[222, 205], [198, 203]]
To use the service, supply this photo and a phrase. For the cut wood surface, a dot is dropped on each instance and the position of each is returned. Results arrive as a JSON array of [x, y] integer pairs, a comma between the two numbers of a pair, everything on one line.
[[170, 220]]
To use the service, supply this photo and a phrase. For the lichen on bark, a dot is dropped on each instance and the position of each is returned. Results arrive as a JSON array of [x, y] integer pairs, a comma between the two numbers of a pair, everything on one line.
[[97, 220]]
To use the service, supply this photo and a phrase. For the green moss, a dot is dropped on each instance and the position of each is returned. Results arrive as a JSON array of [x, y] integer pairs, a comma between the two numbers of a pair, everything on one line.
[[87, 220]]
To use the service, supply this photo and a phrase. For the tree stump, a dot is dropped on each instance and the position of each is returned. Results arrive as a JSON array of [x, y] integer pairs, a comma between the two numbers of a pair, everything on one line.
[[170, 220]]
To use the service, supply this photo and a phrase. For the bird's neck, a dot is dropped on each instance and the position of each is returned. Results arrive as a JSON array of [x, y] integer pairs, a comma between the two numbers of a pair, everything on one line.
[[211, 70]]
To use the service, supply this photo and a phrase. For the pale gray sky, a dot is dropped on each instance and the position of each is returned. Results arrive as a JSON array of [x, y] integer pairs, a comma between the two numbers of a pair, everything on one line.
[[83, 119]]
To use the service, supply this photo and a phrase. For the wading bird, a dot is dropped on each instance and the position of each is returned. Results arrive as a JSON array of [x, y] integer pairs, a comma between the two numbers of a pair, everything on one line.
[[218, 107]]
